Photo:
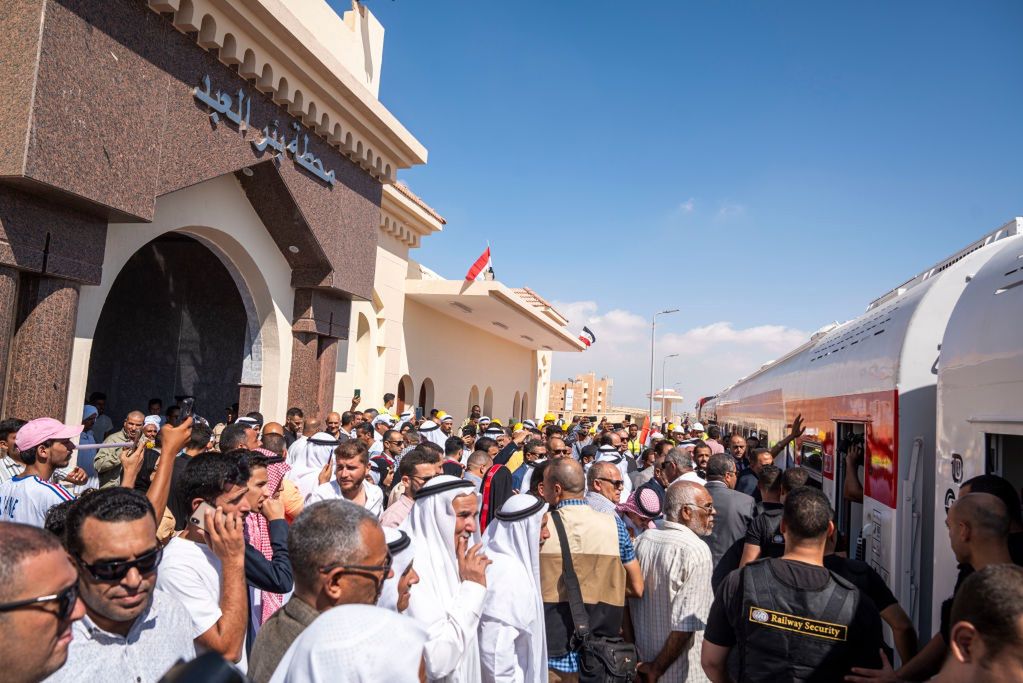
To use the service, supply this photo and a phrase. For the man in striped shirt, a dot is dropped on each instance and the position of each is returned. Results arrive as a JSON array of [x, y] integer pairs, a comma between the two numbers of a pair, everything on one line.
[[45, 445], [670, 617]]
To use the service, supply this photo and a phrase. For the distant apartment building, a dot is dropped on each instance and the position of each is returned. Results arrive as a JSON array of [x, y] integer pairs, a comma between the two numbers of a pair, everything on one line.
[[586, 395]]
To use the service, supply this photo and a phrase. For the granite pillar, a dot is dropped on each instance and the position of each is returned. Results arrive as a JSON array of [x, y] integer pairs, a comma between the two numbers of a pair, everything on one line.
[[40, 354], [327, 357], [248, 398], [304, 382], [8, 309]]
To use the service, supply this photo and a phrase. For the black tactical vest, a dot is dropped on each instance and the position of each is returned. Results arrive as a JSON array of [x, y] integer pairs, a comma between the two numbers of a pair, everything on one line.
[[790, 634]]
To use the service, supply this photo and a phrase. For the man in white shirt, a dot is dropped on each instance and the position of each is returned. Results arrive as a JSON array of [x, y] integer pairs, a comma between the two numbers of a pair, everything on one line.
[[131, 632], [678, 465], [612, 450], [452, 585], [351, 480], [44, 445], [513, 639], [670, 617], [204, 567]]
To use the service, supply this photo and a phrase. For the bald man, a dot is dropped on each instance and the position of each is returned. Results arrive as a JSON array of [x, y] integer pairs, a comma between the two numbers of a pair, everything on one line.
[[978, 530], [604, 485], [108, 460], [334, 424], [603, 558], [273, 428]]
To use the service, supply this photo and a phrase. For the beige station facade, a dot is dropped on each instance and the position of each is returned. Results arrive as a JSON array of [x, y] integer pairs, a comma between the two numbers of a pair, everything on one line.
[[212, 208]]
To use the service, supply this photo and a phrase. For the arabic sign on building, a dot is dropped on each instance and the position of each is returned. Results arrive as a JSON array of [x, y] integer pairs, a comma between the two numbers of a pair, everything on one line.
[[222, 104]]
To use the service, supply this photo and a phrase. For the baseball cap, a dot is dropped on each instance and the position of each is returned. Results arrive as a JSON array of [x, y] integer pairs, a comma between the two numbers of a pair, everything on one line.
[[41, 429]]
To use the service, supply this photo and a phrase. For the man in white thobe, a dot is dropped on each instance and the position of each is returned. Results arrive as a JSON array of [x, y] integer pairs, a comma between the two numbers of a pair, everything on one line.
[[452, 585], [513, 638], [431, 431], [308, 460]]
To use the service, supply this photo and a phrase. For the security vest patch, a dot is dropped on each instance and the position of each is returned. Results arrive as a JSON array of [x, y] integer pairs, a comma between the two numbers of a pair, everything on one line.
[[797, 624]]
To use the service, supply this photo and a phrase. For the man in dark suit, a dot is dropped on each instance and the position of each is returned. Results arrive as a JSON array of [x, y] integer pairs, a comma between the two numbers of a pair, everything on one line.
[[734, 512]]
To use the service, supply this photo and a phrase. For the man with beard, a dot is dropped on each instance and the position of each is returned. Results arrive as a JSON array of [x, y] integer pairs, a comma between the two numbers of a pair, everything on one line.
[[351, 480], [677, 566], [452, 577], [130, 631]]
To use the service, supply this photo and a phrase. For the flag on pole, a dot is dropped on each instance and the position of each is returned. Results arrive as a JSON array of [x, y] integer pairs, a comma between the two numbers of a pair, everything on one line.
[[587, 337], [481, 267], [644, 434]]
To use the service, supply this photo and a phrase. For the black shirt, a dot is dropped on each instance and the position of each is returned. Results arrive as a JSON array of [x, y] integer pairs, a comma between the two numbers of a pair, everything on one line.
[[726, 615], [864, 577], [1015, 552], [176, 502], [765, 531]]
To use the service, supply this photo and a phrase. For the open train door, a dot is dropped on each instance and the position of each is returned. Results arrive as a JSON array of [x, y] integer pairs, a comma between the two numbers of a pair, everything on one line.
[[850, 436]]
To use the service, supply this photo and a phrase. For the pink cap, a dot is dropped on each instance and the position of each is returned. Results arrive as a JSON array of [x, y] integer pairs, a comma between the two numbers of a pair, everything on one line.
[[42, 429]]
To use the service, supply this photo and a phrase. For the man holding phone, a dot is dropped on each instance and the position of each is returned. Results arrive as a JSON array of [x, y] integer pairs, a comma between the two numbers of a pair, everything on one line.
[[108, 460], [204, 567]]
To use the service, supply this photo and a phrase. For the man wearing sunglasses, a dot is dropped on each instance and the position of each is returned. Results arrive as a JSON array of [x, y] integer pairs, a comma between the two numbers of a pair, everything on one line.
[[340, 557], [38, 603], [130, 632]]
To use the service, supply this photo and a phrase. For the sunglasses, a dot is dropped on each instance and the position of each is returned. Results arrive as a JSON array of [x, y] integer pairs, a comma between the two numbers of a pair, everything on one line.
[[115, 570], [562, 451], [66, 601], [619, 484]]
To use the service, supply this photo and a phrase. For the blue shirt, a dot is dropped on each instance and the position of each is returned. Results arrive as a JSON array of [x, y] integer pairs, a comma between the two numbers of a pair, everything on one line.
[[569, 663]]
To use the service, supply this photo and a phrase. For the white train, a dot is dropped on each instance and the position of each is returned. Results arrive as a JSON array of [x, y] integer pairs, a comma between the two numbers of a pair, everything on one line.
[[930, 381]]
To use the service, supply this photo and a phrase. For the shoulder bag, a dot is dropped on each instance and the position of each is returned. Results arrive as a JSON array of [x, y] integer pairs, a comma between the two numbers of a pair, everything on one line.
[[607, 660]]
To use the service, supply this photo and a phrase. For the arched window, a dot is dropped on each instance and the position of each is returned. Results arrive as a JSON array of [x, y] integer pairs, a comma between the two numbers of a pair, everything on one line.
[[524, 408], [516, 415], [474, 399], [426, 396], [404, 394], [488, 402]]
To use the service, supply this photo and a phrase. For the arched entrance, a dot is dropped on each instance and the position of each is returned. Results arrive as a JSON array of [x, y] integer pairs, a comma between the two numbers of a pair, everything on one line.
[[474, 399], [515, 408], [426, 396], [404, 393], [173, 323], [488, 403], [524, 408]]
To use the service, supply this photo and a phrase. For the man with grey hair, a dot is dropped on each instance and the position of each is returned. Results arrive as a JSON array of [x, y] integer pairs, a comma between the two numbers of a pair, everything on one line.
[[735, 511], [340, 557], [604, 484], [670, 616], [678, 464]]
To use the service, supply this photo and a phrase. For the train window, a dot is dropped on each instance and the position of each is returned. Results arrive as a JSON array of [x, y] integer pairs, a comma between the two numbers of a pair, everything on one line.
[[811, 456], [1005, 457]]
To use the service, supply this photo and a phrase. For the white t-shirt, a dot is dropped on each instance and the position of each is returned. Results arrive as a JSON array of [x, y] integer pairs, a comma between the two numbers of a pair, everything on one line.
[[190, 572], [332, 491], [27, 499]]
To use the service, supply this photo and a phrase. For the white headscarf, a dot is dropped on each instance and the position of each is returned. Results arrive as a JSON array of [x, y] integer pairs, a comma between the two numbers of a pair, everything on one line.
[[402, 551], [430, 431], [340, 644], [309, 459], [527, 479], [151, 420], [431, 524], [512, 543]]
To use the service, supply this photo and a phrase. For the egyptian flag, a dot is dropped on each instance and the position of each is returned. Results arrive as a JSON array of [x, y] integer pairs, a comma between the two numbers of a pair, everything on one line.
[[587, 337], [483, 268]]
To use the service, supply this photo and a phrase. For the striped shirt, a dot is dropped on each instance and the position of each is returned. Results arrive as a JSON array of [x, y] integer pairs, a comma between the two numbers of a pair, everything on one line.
[[677, 596], [27, 499]]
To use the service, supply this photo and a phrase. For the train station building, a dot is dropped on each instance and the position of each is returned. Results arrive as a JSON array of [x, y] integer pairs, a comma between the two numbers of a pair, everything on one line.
[[200, 197]]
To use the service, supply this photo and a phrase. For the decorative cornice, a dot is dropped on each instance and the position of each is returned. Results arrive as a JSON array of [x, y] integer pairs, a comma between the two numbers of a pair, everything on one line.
[[283, 58], [406, 217]]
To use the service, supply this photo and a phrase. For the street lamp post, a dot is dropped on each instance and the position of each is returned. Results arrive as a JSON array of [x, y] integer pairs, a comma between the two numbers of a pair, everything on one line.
[[664, 364], [653, 329]]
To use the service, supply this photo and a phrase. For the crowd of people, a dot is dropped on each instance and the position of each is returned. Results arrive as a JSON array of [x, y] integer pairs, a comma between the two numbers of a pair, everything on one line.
[[375, 546]]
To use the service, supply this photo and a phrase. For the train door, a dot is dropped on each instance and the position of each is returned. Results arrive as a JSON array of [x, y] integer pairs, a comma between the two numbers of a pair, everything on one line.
[[1004, 457], [849, 509]]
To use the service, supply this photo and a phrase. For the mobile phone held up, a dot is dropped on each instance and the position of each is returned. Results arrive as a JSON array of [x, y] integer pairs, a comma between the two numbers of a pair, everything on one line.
[[198, 516], [358, 393], [186, 407]]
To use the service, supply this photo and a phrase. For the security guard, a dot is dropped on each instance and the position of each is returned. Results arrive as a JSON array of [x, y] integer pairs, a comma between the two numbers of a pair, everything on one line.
[[789, 618]]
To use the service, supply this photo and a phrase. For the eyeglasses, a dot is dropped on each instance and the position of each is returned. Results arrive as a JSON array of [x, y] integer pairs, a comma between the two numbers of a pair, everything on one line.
[[116, 570], [562, 451], [709, 508], [66, 601], [619, 484], [383, 569]]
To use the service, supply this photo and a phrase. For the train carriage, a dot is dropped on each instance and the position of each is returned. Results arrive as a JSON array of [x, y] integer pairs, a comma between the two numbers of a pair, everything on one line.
[[870, 385]]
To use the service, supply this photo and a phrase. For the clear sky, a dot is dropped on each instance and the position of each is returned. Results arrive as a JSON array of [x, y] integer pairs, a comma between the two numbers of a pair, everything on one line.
[[766, 167]]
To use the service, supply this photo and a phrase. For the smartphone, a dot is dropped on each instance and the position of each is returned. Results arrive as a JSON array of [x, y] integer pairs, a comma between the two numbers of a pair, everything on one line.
[[198, 517], [358, 393], [186, 407]]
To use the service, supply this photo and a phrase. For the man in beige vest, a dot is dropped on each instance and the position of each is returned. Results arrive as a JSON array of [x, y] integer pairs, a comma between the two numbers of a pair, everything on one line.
[[604, 560]]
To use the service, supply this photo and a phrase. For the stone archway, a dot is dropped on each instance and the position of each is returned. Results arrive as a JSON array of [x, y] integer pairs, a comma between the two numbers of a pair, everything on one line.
[[173, 323]]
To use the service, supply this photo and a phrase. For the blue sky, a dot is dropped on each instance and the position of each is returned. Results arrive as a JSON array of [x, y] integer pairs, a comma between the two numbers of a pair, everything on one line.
[[765, 167]]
